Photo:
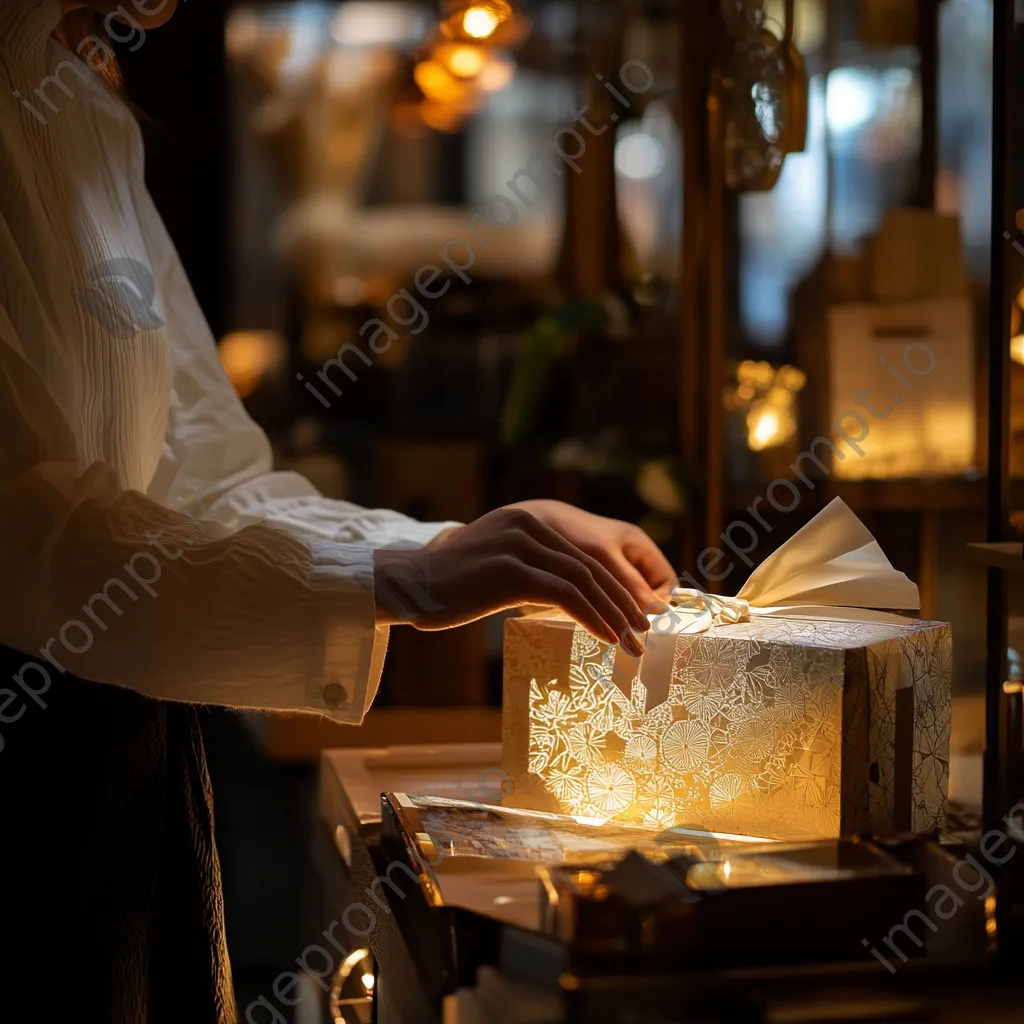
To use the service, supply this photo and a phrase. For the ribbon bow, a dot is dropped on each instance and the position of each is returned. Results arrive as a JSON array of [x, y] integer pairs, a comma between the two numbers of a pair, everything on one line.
[[832, 568]]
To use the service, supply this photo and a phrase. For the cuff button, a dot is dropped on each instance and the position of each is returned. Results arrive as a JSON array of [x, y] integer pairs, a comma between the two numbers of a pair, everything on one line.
[[334, 695]]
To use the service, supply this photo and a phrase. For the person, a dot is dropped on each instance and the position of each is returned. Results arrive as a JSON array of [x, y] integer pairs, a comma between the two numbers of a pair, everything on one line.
[[153, 562]]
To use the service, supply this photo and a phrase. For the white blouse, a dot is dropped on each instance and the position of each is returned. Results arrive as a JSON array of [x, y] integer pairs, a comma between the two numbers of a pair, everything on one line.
[[146, 541]]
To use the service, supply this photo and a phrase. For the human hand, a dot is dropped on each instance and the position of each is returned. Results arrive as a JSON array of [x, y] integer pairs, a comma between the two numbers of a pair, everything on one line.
[[622, 548], [505, 559]]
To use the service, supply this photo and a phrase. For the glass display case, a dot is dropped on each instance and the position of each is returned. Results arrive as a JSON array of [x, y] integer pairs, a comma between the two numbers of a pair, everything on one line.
[[840, 304]]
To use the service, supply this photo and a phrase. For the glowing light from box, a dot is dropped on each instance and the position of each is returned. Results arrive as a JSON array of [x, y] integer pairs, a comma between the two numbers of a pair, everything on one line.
[[731, 739], [949, 427], [367, 981], [937, 440], [611, 789]]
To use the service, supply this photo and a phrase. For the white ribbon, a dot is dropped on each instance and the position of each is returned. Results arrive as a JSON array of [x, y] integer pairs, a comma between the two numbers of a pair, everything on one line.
[[832, 568]]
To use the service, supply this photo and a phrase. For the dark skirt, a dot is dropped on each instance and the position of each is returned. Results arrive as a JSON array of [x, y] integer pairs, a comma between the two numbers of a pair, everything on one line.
[[111, 907]]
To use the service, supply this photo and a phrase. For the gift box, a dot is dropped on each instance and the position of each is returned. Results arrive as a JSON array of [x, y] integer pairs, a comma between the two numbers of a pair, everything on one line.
[[795, 710], [912, 412]]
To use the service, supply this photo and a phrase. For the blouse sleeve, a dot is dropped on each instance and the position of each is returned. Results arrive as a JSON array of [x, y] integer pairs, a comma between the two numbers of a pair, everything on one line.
[[217, 467], [217, 462], [109, 585], [274, 610]]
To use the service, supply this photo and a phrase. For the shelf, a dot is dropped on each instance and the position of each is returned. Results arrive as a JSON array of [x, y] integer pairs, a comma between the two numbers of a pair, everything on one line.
[[1006, 555], [912, 494], [898, 494]]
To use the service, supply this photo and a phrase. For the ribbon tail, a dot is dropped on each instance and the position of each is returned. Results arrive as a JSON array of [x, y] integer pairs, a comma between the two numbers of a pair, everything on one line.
[[832, 560], [829, 613]]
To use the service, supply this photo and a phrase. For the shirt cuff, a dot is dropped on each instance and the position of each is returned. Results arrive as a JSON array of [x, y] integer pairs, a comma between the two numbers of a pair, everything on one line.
[[347, 649]]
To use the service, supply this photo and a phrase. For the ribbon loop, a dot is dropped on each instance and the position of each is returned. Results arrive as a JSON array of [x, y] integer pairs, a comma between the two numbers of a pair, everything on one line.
[[697, 603], [831, 569]]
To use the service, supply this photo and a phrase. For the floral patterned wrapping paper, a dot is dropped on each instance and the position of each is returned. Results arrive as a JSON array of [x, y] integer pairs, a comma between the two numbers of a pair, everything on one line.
[[783, 728]]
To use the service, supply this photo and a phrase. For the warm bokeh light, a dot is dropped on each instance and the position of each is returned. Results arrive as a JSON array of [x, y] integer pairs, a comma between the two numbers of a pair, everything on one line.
[[766, 395], [763, 427], [475, 65], [480, 22], [348, 290], [440, 116], [658, 488], [496, 24], [368, 982], [437, 84], [759, 374], [242, 34], [463, 60], [249, 356], [1017, 349], [791, 378], [455, 80], [497, 74]]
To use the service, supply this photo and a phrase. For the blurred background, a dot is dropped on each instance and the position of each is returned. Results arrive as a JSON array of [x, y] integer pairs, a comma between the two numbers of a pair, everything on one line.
[[775, 199]]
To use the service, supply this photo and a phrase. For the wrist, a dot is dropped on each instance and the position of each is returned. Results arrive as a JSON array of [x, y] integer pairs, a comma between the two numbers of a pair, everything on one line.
[[402, 586], [443, 537]]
